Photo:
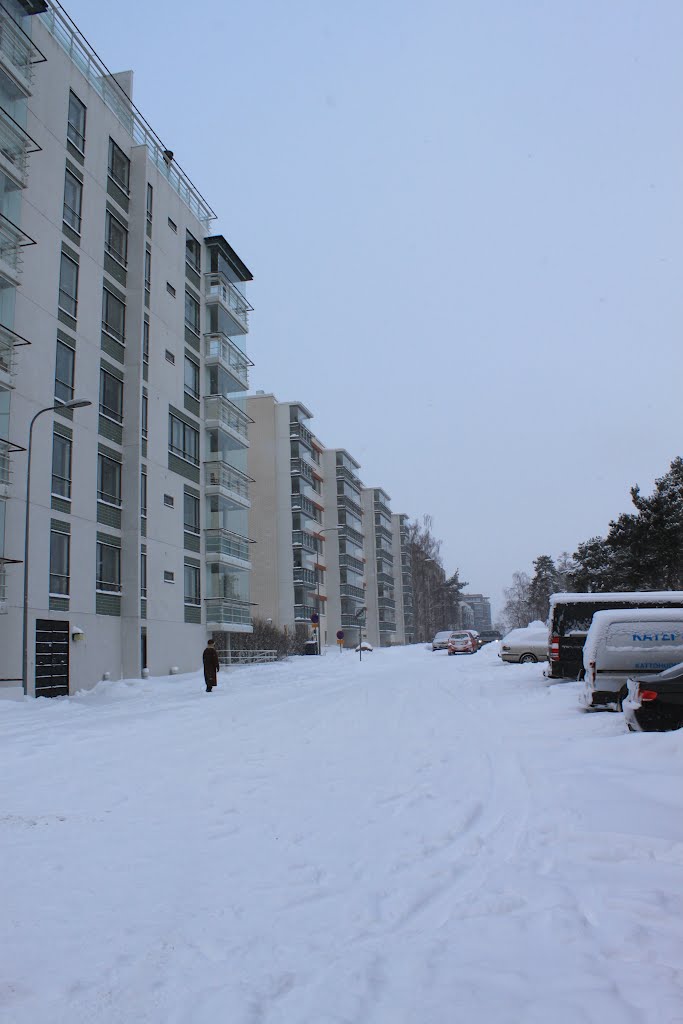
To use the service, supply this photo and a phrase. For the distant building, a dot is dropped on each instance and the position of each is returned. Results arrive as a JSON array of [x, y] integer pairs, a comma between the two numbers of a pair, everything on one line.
[[475, 611]]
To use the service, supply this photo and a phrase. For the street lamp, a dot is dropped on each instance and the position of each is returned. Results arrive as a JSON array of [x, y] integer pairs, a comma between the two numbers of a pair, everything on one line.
[[328, 529], [358, 616], [75, 403]]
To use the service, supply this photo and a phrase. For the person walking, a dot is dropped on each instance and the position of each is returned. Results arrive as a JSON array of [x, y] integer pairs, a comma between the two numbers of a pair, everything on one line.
[[211, 666]]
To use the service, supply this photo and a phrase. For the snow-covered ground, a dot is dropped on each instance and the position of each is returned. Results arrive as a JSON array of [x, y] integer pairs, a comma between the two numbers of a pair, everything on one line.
[[417, 839]]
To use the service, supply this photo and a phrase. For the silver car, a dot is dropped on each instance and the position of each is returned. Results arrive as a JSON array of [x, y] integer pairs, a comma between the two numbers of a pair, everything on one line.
[[525, 646], [440, 641]]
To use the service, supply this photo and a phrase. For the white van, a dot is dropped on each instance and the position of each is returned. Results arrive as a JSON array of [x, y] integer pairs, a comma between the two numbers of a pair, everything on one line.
[[622, 642]]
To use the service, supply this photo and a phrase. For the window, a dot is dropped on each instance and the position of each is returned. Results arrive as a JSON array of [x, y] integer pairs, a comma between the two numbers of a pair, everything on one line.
[[169, 577], [150, 203], [191, 378], [143, 494], [170, 358], [61, 466], [193, 252], [116, 238], [111, 396], [75, 127], [170, 289], [68, 286], [73, 201], [108, 568], [169, 501], [148, 273], [60, 544], [173, 226], [191, 312], [192, 585], [183, 440], [144, 414], [143, 574], [113, 316], [191, 514], [119, 166], [64, 372], [145, 341], [108, 480]]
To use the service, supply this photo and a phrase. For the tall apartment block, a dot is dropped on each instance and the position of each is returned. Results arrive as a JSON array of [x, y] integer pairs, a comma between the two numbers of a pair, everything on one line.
[[405, 623], [138, 518], [379, 553], [475, 611], [346, 590]]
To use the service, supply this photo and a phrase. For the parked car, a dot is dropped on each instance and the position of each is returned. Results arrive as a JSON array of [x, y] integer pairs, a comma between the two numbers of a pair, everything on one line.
[[440, 641], [489, 636], [463, 642], [526, 645], [655, 702], [624, 643]]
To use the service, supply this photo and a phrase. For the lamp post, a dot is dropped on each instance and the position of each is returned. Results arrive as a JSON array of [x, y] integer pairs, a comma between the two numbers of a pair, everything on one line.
[[358, 616], [75, 403], [328, 529]]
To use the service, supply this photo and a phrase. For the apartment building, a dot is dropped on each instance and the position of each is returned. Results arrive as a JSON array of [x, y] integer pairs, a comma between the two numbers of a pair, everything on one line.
[[475, 611], [343, 522], [379, 555], [138, 517], [405, 622]]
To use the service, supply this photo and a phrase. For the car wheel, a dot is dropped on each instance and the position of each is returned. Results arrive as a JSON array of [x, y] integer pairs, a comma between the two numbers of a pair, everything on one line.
[[528, 659]]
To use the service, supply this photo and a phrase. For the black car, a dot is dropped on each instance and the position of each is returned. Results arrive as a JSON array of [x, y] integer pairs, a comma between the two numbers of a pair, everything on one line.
[[655, 702], [488, 636]]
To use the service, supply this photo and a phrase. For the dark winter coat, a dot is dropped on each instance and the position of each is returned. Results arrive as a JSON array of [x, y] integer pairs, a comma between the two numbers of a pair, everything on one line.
[[211, 665]]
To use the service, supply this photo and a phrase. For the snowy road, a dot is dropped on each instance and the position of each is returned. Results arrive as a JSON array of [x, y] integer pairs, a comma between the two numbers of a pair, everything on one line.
[[415, 840]]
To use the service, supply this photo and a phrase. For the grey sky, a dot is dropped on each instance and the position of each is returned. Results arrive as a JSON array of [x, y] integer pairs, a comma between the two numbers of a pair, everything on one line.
[[464, 222]]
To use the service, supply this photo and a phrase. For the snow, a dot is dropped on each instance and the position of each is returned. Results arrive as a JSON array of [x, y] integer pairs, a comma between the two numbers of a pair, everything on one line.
[[609, 639], [643, 596], [406, 839]]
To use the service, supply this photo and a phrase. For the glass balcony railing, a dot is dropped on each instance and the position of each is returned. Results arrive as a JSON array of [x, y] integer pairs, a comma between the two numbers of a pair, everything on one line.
[[302, 433], [220, 289], [344, 473], [9, 341], [12, 241], [353, 535], [18, 51], [299, 467], [224, 544], [15, 146], [305, 576], [348, 590], [7, 449], [379, 506], [300, 503], [387, 627], [343, 501], [306, 540], [222, 612], [382, 531], [349, 562], [219, 349], [226, 478], [303, 612], [220, 409]]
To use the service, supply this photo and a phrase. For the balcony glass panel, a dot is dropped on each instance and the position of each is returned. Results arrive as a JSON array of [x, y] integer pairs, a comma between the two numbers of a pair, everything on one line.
[[12, 241], [220, 474], [217, 407], [219, 288], [15, 145], [219, 348], [222, 542], [222, 612]]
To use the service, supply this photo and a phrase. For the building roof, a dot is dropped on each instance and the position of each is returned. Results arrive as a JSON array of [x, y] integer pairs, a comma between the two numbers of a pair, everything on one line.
[[241, 269]]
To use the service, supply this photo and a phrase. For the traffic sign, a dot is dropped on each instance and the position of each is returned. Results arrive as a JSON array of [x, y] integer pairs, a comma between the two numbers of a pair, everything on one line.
[[315, 618], [340, 634]]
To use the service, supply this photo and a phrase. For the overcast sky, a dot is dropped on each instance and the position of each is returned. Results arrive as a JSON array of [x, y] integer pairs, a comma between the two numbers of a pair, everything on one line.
[[464, 222]]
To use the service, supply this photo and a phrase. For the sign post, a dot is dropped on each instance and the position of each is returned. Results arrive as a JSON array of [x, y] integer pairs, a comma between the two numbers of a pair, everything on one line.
[[340, 639], [315, 620]]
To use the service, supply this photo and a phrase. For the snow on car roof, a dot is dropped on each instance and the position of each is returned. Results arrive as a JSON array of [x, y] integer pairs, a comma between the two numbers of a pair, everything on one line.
[[602, 620], [624, 595]]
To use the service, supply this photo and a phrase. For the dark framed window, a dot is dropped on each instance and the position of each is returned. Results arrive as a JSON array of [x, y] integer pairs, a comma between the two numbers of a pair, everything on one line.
[[193, 252], [192, 585], [111, 396], [145, 341], [68, 286], [61, 465], [108, 480], [191, 514], [173, 226], [143, 574], [150, 203], [183, 440], [108, 568], [143, 494], [191, 312], [148, 271], [60, 554], [113, 316], [75, 127], [73, 202], [118, 166], [64, 372], [116, 238], [191, 378], [144, 417]]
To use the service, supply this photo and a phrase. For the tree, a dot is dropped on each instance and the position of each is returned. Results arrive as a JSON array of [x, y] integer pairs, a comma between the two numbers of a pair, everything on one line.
[[517, 608], [543, 584]]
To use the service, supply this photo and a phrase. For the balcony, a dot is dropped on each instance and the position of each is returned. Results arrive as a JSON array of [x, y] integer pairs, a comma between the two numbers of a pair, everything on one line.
[[345, 474], [385, 579], [300, 503], [18, 54], [307, 541], [383, 509], [305, 576], [348, 590], [353, 535], [225, 480], [227, 547], [298, 431], [349, 562], [219, 289], [387, 627], [343, 501], [12, 241], [8, 342], [221, 413], [386, 602], [235, 616], [299, 467], [384, 555], [220, 350], [303, 612], [15, 146], [7, 449], [382, 531]]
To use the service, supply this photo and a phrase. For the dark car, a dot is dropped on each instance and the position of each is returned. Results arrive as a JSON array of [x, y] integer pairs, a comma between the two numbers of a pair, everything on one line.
[[488, 636], [655, 702]]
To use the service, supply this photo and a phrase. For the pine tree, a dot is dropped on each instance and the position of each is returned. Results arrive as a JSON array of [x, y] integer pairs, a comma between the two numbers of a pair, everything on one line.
[[543, 584]]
